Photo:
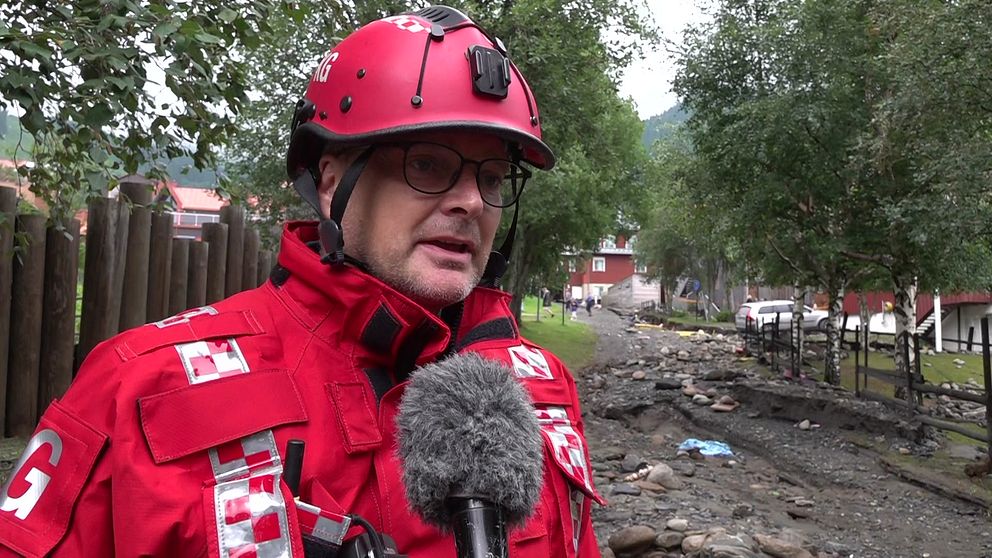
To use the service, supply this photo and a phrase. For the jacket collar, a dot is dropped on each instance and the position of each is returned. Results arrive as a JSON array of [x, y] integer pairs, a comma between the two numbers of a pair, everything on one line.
[[344, 304]]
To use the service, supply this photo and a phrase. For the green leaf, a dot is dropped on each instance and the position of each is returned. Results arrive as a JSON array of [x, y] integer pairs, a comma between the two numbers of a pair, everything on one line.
[[98, 116], [97, 181], [208, 38], [98, 154], [227, 15], [37, 51], [165, 29]]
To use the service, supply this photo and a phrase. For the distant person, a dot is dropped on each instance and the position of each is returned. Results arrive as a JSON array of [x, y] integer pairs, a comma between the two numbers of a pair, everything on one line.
[[590, 302], [573, 306], [547, 302]]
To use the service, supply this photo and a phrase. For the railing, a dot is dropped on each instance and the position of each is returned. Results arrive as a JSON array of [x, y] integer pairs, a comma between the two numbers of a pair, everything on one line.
[[914, 385]]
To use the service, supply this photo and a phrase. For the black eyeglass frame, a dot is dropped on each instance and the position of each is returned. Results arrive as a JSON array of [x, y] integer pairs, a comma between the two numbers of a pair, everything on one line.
[[525, 173]]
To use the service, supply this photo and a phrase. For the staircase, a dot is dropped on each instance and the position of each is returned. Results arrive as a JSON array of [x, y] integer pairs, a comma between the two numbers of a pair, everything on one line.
[[925, 328]]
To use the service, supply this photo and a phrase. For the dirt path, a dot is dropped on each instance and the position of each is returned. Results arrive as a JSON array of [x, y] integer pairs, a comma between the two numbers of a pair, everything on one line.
[[815, 490]]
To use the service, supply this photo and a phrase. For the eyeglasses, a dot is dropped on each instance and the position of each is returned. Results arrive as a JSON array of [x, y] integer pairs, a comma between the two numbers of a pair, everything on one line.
[[432, 168]]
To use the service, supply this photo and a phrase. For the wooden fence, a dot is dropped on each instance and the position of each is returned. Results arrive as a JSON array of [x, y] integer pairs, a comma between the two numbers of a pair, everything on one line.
[[135, 272], [914, 385]]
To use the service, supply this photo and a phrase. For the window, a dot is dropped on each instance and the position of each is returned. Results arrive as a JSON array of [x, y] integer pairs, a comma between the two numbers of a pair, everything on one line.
[[640, 268], [608, 242], [599, 264], [571, 266]]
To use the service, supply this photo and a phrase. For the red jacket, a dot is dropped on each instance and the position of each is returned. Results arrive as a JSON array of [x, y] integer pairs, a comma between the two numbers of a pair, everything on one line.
[[170, 441]]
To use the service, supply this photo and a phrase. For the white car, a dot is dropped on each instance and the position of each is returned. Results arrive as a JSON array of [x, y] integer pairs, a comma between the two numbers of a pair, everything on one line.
[[761, 315]]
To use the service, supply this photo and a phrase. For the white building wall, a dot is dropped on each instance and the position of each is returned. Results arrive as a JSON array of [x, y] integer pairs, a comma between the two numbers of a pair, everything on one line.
[[970, 316], [632, 292]]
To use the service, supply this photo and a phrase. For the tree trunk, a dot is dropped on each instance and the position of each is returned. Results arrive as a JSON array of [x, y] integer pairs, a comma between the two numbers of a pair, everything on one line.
[[905, 311], [798, 297], [516, 274], [834, 317]]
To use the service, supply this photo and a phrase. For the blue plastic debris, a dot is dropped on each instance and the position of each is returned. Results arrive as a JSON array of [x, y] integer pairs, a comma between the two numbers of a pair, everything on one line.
[[711, 448]]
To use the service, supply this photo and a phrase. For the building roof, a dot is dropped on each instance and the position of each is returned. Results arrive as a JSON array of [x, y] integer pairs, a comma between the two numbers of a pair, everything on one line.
[[195, 199]]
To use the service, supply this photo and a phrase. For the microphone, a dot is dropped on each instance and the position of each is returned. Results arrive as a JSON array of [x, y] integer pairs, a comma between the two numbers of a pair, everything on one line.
[[471, 451]]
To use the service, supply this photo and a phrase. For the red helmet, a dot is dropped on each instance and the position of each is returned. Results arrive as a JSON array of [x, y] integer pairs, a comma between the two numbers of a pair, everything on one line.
[[426, 71]]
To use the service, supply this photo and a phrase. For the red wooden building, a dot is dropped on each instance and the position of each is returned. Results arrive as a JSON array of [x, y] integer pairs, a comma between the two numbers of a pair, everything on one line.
[[612, 262]]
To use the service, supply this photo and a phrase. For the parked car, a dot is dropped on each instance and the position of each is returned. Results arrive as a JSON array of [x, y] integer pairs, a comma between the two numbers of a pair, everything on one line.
[[761, 315]]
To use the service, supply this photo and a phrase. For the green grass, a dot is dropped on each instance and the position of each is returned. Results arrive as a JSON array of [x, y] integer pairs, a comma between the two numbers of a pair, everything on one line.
[[941, 369], [573, 342]]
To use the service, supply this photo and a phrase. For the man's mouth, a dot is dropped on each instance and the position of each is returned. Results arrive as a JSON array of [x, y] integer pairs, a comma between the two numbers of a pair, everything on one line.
[[450, 245]]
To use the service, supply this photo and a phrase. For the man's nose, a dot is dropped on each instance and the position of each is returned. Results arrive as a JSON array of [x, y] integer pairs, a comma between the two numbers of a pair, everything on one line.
[[464, 196]]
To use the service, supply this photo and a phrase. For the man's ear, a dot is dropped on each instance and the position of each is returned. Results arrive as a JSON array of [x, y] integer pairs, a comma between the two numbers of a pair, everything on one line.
[[328, 175]]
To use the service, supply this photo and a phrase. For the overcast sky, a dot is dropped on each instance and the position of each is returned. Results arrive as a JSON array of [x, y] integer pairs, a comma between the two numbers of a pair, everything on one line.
[[649, 81]]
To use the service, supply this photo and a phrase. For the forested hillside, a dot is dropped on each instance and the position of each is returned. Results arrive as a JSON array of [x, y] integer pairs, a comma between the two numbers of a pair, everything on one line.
[[663, 125]]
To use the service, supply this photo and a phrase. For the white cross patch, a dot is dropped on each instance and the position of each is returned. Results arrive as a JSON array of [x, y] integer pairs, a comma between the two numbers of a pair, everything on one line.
[[212, 359], [567, 446], [529, 363], [406, 23]]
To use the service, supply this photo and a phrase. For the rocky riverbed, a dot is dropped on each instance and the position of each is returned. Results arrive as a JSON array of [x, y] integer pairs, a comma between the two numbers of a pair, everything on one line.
[[804, 479]]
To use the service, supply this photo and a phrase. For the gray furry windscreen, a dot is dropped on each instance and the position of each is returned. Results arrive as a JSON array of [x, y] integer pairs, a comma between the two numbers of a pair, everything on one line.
[[466, 426]]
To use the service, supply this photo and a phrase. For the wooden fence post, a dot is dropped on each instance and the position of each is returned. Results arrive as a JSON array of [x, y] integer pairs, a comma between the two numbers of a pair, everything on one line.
[[101, 290], [159, 264], [234, 217], [264, 266], [8, 205], [196, 278], [58, 339], [120, 248], [215, 234], [987, 373], [26, 311], [134, 296], [249, 269], [178, 275]]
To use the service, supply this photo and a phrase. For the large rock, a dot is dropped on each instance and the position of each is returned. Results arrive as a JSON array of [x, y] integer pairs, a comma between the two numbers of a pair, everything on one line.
[[632, 540], [693, 543], [664, 475], [779, 548], [669, 539], [723, 545], [668, 383]]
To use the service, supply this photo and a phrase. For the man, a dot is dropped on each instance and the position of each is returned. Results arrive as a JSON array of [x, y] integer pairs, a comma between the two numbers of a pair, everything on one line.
[[414, 133]]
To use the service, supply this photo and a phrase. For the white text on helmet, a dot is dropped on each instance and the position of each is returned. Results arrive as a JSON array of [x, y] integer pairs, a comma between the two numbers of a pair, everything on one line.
[[325, 67]]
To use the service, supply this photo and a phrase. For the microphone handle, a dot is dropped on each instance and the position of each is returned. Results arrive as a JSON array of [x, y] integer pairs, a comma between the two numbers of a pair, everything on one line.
[[478, 527]]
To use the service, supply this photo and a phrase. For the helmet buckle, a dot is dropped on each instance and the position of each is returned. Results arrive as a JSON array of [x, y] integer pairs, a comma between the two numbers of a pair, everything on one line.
[[331, 242]]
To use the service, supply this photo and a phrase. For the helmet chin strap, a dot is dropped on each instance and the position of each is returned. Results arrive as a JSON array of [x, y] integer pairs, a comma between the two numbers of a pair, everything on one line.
[[500, 259], [329, 229]]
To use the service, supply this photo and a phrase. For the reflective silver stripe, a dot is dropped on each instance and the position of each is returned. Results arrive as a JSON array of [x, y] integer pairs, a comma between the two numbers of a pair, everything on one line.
[[249, 507], [184, 316], [251, 516], [576, 502], [237, 459], [324, 527]]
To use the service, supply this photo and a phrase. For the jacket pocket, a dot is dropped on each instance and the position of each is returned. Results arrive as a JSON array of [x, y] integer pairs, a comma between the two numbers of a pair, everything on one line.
[[531, 540]]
